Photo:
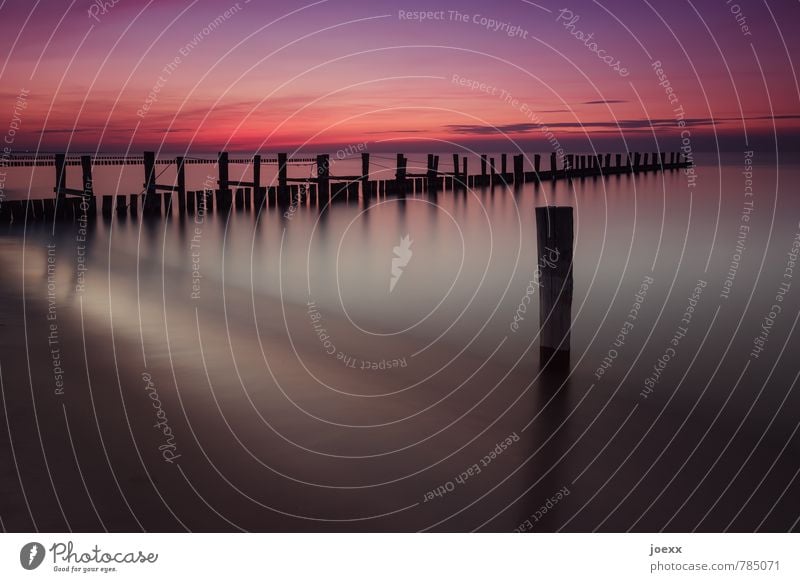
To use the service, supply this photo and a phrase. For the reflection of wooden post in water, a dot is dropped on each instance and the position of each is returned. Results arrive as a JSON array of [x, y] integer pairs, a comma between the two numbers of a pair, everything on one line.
[[554, 235]]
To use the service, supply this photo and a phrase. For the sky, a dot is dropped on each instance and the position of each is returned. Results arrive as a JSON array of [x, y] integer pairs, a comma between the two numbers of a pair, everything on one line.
[[254, 75]]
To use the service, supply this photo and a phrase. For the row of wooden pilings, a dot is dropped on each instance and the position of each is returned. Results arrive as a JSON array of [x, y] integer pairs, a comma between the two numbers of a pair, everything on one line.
[[321, 188]]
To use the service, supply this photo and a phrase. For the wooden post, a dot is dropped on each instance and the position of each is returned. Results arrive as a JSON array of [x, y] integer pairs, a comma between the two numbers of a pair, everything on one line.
[[554, 229], [537, 163], [400, 174], [456, 172], [323, 176], [619, 160], [465, 173], [149, 159], [365, 184], [553, 164], [483, 169], [637, 157], [222, 170], [61, 168], [86, 170], [519, 175], [503, 166], [181, 181], [284, 197], [256, 176]]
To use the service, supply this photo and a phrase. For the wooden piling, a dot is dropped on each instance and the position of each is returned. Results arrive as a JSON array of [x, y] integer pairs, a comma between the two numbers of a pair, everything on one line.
[[222, 171], [181, 180], [519, 175], [284, 197], [323, 178], [365, 183], [256, 176]]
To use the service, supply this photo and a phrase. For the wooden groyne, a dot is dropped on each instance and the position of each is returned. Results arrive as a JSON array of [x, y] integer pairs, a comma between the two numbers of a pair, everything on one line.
[[318, 187]]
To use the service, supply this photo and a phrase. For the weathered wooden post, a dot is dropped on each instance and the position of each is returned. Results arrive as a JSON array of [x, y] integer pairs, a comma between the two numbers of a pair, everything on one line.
[[365, 184], [519, 174], [284, 197], [86, 171], [223, 180], [637, 161], [149, 161], [323, 178], [465, 173], [554, 230], [87, 205], [483, 170], [181, 181], [108, 206], [503, 166], [256, 176], [537, 162], [553, 165], [400, 174], [61, 167]]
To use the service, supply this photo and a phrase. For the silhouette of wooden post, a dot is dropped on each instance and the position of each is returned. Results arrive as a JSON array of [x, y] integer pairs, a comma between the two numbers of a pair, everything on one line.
[[519, 175], [400, 174], [483, 169], [61, 167], [256, 176], [149, 160], [554, 230], [553, 165], [108, 206], [465, 173], [181, 181], [88, 202], [283, 189], [456, 172], [323, 178], [223, 181], [503, 166], [537, 163], [86, 171], [365, 183]]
